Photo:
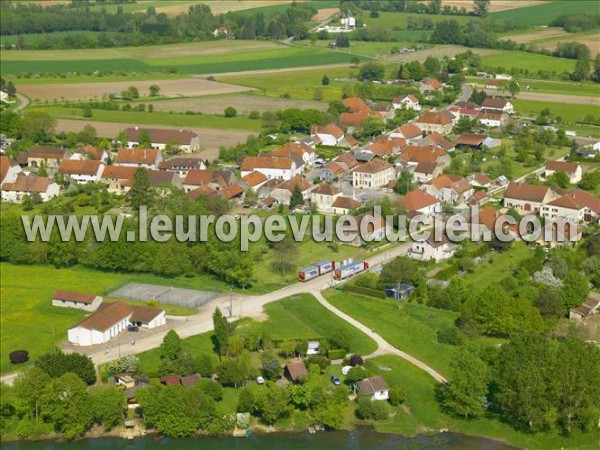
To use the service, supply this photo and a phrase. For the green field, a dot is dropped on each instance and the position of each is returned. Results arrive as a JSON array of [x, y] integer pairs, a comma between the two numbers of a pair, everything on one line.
[[569, 112], [533, 62], [586, 89], [544, 14], [201, 58], [158, 118], [411, 328], [29, 321], [486, 273], [421, 413]]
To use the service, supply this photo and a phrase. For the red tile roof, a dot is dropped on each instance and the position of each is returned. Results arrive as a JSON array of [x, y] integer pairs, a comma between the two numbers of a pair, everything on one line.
[[202, 191], [5, 165], [78, 167], [434, 118], [251, 163], [409, 131], [529, 192], [563, 166], [435, 84], [330, 128], [417, 199], [118, 173], [73, 297], [356, 104], [470, 139], [199, 177], [373, 166], [346, 203], [137, 156], [231, 191], [254, 178], [298, 180], [577, 200], [31, 183], [326, 189], [109, 314]]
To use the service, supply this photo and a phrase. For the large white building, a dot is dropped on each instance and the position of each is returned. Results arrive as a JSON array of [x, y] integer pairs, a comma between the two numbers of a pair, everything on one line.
[[273, 167], [110, 319], [81, 171], [373, 175], [66, 299]]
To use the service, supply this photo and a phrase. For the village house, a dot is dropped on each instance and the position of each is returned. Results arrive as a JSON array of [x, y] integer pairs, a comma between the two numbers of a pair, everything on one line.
[[182, 165], [254, 180], [43, 188], [324, 195], [430, 85], [202, 191], [344, 205], [432, 249], [48, 157], [118, 178], [474, 141], [231, 192], [419, 202], [66, 299], [576, 206], [479, 180], [590, 307], [221, 32], [435, 121], [81, 172], [110, 319], [297, 150], [559, 232], [374, 174], [492, 119], [459, 113], [215, 179], [8, 170], [374, 387], [437, 140], [527, 197], [450, 189], [90, 152], [408, 131], [425, 171], [159, 178], [283, 192], [406, 102], [572, 169], [493, 85], [186, 140], [329, 135], [148, 158], [416, 154], [375, 229], [359, 111], [478, 198], [273, 167], [499, 104]]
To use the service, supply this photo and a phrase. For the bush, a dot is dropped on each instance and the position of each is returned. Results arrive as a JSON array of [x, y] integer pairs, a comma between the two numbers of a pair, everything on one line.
[[211, 388], [450, 335], [397, 395], [321, 360], [336, 353], [230, 111], [356, 360], [356, 374], [372, 409], [254, 115]]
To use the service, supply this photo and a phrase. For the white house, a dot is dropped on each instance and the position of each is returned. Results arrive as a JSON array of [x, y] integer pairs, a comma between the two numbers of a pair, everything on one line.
[[500, 104], [374, 174], [374, 387], [406, 102], [182, 165], [283, 191], [66, 299], [273, 167], [186, 140], [408, 131], [329, 135], [573, 170], [576, 206], [324, 196], [528, 197], [344, 205], [590, 307], [492, 119], [32, 185], [110, 319], [435, 121], [420, 202], [8, 170], [426, 171], [431, 249], [81, 171], [450, 189], [296, 150]]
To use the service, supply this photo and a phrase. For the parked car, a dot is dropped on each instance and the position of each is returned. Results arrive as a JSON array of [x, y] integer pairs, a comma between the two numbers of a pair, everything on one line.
[[133, 328], [335, 380], [260, 380], [346, 369]]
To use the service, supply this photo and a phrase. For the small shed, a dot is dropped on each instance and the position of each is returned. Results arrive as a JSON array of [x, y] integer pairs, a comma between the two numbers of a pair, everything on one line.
[[171, 380], [124, 379], [399, 292], [77, 300], [375, 387], [296, 371], [314, 348], [190, 380]]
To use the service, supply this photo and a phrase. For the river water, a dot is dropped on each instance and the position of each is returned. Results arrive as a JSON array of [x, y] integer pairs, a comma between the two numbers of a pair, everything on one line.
[[359, 439]]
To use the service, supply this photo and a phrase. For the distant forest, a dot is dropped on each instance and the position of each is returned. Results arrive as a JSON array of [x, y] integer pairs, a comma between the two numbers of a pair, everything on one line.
[[121, 28]]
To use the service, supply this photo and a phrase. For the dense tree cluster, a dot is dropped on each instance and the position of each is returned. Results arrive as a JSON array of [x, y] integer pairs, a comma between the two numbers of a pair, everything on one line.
[[122, 28]]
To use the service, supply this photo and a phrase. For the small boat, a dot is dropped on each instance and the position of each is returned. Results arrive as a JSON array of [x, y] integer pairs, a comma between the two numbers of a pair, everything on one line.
[[249, 432], [312, 430]]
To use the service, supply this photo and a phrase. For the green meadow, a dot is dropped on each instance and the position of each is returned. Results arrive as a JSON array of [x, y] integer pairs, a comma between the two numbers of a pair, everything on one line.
[[533, 62], [545, 13], [204, 58], [569, 112]]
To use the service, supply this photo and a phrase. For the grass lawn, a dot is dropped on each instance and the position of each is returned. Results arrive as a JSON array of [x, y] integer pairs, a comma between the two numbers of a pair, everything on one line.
[[302, 318], [422, 414], [567, 111], [27, 318], [533, 62], [411, 328], [157, 118], [545, 13], [486, 273], [587, 89]]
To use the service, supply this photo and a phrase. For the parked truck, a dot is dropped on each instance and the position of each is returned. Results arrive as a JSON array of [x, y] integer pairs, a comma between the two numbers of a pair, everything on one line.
[[316, 270], [348, 270]]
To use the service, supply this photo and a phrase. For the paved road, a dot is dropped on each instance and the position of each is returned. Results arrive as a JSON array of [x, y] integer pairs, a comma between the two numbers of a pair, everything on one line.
[[23, 102], [465, 93], [250, 306]]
